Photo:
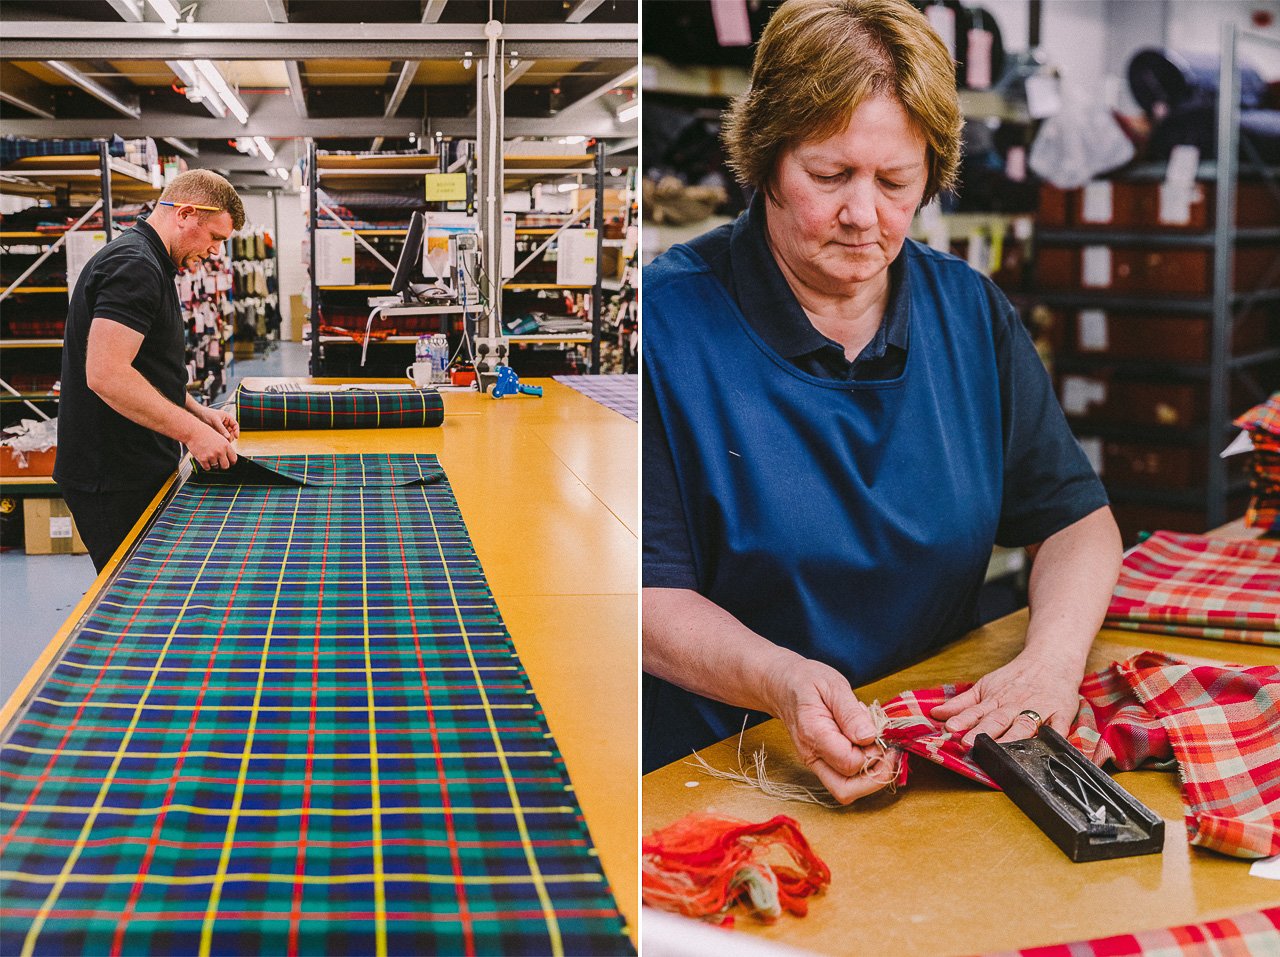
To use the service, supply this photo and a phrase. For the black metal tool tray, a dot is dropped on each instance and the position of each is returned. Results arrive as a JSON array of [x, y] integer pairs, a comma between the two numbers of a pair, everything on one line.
[[1053, 784]]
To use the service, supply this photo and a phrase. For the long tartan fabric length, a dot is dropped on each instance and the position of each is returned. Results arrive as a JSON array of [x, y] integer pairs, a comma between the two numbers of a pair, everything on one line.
[[351, 409], [294, 723]]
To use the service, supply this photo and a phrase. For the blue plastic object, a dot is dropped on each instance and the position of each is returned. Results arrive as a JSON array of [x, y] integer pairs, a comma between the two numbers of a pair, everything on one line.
[[508, 383]]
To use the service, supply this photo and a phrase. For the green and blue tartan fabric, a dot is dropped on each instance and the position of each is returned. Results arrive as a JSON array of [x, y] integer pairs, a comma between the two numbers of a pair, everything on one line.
[[348, 409], [294, 723]]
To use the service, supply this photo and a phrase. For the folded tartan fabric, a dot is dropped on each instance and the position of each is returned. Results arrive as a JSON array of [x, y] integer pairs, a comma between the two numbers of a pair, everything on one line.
[[1200, 587], [351, 409], [370, 470], [1263, 425], [294, 722], [1252, 934], [1221, 723]]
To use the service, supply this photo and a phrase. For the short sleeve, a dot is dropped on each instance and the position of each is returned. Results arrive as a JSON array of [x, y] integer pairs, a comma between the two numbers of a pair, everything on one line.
[[667, 552], [126, 289], [1048, 481]]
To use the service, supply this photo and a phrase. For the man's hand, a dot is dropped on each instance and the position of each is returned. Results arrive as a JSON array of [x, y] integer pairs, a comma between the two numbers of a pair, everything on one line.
[[222, 422], [832, 730], [995, 704], [209, 447]]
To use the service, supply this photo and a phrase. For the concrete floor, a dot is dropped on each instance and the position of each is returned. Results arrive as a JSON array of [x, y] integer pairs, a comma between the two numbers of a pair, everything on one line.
[[38, 592]]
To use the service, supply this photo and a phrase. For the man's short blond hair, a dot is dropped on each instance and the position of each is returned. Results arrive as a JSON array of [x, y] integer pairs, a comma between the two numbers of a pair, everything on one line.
[[819, 60], [206, 188]]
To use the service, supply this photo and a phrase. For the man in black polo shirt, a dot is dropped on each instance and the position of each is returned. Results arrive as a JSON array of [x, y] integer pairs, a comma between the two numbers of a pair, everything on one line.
[[125, 411]]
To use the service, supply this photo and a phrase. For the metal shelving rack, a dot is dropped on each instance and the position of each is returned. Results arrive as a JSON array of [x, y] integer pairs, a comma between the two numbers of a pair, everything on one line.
[[70, 177], [1226, 306]]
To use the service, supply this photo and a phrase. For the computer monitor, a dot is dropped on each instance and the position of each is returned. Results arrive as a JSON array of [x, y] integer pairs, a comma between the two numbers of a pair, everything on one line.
[[410, 261]]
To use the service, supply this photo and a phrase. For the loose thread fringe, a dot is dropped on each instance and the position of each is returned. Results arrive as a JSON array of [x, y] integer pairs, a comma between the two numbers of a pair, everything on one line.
[[756, 776]]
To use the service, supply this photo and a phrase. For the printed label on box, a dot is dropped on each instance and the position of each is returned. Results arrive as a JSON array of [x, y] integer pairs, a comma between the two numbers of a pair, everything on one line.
[[1175, 204], [1079, 393], [1098, 202], [1096, 267], [1091, 330], [59, 526]]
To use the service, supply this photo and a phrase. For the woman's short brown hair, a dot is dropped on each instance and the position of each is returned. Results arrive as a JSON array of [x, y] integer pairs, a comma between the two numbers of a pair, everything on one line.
[[818, 60], [204, 187]]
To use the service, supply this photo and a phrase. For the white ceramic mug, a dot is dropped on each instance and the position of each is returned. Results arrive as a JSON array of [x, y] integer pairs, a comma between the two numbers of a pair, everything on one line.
[[421, 373]]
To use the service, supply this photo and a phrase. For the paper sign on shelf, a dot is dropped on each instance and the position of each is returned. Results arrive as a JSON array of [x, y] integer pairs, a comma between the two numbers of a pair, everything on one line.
[[1096, 267], [445, 187], [335, 257], [80, 249], [576, 263], [1097, 202], [1091, 330]]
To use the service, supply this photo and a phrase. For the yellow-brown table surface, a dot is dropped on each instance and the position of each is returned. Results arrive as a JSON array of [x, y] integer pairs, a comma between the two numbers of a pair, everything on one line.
[[548, 488], [948, 867]]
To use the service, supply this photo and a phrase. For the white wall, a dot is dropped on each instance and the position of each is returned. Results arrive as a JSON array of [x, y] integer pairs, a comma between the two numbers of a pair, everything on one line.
[[288, 237]]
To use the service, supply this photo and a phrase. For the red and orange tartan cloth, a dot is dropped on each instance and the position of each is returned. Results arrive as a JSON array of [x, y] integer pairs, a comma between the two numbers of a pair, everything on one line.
[[1200, 587], [1262, 422], [1252, 934], [1221, 723]]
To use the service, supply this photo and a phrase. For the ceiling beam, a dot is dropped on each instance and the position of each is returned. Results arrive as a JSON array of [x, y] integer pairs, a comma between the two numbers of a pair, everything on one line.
[[296, 93], [622, 79], [403, 83], [21, 89], [14, 99], [182, 146], [126, 104], [276, 10], [581, 10], [130, 10], [432, 9], [158, 124], [69, 40]]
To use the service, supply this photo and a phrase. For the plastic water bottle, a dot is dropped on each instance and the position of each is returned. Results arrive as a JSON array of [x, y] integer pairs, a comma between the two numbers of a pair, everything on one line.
[[439, 357], [422, 349]]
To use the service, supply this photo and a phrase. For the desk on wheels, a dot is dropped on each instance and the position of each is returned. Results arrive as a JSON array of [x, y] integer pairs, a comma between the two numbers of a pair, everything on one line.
[[548, 491], [948, 867]]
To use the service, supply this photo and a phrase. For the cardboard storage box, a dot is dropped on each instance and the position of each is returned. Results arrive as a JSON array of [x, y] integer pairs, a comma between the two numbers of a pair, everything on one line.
[[1152, 336], [38, 463], [50, 529], [1151, 206], [1138, 270]]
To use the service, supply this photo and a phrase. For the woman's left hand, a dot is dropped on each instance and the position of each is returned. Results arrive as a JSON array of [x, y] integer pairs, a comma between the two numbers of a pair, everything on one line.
[[995, 704]]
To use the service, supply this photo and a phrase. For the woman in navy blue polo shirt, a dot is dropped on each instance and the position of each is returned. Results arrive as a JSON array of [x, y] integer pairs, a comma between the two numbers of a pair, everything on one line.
[[839, 423]]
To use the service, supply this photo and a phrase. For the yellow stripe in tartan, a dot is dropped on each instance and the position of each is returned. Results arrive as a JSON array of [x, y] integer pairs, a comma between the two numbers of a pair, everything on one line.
[[37, 925], [379, 889], [548, 911], [270, 812], [224, 859], [306, 879], [425, 755], [283, 709]]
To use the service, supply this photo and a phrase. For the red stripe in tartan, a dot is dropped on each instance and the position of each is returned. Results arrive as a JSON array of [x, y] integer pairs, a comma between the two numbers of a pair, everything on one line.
[[1255, 934], [392, 916], [53, 758], [1220, 722], [333, 845]]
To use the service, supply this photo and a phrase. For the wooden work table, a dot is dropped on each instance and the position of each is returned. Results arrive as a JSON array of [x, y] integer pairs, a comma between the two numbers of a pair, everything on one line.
[[948, 867], [548, 488]]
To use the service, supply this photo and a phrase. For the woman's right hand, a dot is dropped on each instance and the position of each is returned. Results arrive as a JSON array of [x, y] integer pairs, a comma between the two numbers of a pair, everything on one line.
[[832, 730]]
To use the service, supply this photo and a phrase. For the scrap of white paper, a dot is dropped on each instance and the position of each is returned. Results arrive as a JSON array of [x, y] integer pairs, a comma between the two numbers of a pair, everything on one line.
[[1097, 202], [1241, 443], [1268, 867], [1091, 330], [1096, 267]]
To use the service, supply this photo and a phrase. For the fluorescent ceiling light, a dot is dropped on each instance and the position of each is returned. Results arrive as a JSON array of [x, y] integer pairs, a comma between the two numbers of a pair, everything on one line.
[[629, 111], [265, 147], [219, 83], [165, 10]]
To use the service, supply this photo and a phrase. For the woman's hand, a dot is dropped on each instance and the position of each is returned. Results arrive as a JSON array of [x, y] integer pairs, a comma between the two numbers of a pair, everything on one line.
[[832, 730], [993, 706]]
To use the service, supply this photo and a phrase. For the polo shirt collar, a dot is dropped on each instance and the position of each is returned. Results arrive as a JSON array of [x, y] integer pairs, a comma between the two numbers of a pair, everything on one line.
[[784, 325], [148, 231]]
